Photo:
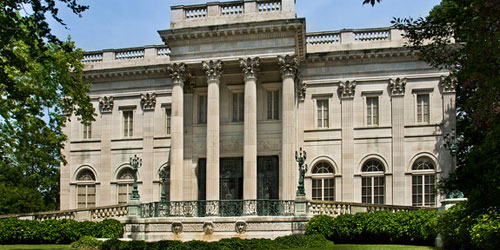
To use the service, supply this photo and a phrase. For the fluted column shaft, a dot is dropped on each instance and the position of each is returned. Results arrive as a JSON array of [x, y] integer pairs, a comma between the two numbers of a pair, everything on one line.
[[178, 73], [250, 129], [288, 170], [214, 71], [177, 141]]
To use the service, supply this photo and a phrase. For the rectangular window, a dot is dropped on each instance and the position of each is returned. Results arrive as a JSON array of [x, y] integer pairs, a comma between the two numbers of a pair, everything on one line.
[[273, 105], [168, 115], [423, 108], [424, 190], [124, 191], [85, 196], [372, 111], [128, 123], [202, 109], [317, 190], [238, 107], [322, 113], [87, 131]]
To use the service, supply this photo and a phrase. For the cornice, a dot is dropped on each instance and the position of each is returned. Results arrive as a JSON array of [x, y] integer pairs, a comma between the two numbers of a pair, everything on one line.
[[331, 56], [126, 73]]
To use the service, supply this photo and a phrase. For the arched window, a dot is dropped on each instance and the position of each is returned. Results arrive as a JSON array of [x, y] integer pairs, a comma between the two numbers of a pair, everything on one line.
[[85, 189], [323, 182], [373, 182], [125, 182], [423, 182]]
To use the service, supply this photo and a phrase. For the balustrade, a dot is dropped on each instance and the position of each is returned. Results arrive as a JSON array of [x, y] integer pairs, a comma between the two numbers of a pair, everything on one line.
[[108, 212], [163, 51], [269, 6], [92, 57], [231, 9], [197, 12], [323, 38], [129, 54], [366, 36]]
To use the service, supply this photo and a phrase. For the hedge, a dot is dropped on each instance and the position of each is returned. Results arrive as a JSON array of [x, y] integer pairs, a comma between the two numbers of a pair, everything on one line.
[[382, 227], [285, 242], [14, 231]]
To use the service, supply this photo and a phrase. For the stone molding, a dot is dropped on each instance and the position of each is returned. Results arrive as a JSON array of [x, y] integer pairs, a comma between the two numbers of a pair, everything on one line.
[[106, 104], [347, 89], [250, 66], [148, 101], [289, 66], [397, 86], [213, 69], [448, 83], [178, 72]]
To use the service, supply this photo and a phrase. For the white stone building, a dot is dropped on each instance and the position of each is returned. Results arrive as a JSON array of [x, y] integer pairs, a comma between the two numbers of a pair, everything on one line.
[[240, 86]]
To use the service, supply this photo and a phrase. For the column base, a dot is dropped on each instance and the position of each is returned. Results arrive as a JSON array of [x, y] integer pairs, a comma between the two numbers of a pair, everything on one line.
[[301, 206], [134, 209]]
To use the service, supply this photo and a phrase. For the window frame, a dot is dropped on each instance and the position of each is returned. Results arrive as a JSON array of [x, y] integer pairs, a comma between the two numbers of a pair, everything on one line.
[[128, 125], [374, 177], [86, 184], [424, 92], [424, 174], [87, 131], [323, 179], [202, 98], [238, 111], [325, 122], [273, 105], [128, 183]]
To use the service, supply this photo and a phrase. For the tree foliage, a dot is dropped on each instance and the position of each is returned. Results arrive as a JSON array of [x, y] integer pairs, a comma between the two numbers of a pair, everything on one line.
[[372, 2], [40, 87], [463, 37]]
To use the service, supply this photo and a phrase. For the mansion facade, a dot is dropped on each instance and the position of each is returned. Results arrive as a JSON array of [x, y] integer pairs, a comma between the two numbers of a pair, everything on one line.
[[236, 89]]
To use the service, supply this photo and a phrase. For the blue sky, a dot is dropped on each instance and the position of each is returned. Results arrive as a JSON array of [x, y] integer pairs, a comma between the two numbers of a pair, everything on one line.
[[131, 23]]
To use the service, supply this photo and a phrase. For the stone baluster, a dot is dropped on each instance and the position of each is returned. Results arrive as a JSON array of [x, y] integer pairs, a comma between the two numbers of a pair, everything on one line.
[[250, 67], [178, 73], [288, 168], [213, 70]]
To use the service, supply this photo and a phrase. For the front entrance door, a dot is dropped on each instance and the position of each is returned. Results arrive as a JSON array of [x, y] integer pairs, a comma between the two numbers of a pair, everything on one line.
[[231, 187], [267, 178]]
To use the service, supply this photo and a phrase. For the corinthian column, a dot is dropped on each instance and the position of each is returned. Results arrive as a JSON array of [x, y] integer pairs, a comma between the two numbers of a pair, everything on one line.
[[178, 73], [397, 90], [250, 67], [214, 72], [288, 167], [346, 92]]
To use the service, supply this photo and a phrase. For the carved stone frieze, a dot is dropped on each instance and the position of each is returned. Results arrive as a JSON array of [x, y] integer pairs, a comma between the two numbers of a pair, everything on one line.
[[250, 66], [397, 86], [448, 83], [208, 227], [347, 89], [232, 146], [213, 69], [106, 104], [301, 90], [268, 145], [176, 227], [241, 227], [289, 65], [178, 72], [148, 101]]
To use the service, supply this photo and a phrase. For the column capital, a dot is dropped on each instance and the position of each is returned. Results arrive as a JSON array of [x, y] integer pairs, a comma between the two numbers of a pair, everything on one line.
[[148, 101], [213, 69], [397, 86], [178, 72], [448, 83], [250, 66], [347, 89], [289, 66], [106, 104]]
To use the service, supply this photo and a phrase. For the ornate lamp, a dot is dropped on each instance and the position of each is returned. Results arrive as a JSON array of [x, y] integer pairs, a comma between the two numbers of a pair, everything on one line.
[[136, 163], [300, 157], [164, 172], [451, 143]]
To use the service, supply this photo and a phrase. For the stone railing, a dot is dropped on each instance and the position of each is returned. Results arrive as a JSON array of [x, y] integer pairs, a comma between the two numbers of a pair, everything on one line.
[[82, 214], [354, 39], [338, 208], [127, 54], [215, 13], [221, 208]]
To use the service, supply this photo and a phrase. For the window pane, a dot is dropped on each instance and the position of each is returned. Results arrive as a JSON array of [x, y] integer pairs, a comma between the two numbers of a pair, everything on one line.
[[276, 105], [235, 107], [316, 189], [417, 190], [329, 186], [269, 105], [168, 114], [366, 190], [241, 99]]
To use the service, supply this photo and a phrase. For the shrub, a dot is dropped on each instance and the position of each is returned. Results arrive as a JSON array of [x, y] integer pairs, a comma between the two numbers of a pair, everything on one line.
[[453, 225], [485, 233], [383, 227], [86, 242], [14, 231]]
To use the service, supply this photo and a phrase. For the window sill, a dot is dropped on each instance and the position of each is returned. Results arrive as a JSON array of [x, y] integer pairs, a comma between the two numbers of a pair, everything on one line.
[[127, 139]]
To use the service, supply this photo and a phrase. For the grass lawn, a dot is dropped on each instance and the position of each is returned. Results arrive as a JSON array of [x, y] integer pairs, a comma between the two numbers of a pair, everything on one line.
[[371, 247], [35, 247]]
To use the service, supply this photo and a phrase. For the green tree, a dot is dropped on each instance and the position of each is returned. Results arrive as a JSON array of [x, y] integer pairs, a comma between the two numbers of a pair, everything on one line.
[[463, 37], [40, 87]]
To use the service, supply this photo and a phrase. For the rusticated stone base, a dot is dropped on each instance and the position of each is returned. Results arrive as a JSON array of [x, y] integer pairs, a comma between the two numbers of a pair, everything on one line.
[[213, 228]]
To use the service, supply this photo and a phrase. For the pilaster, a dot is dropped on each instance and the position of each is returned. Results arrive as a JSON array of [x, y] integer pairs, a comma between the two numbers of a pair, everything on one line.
[[148, 103], [448, 84], [399, 190], [106, 106], [213, 70], [288, 171], [346, 92], [178, 73], [250, 67]]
